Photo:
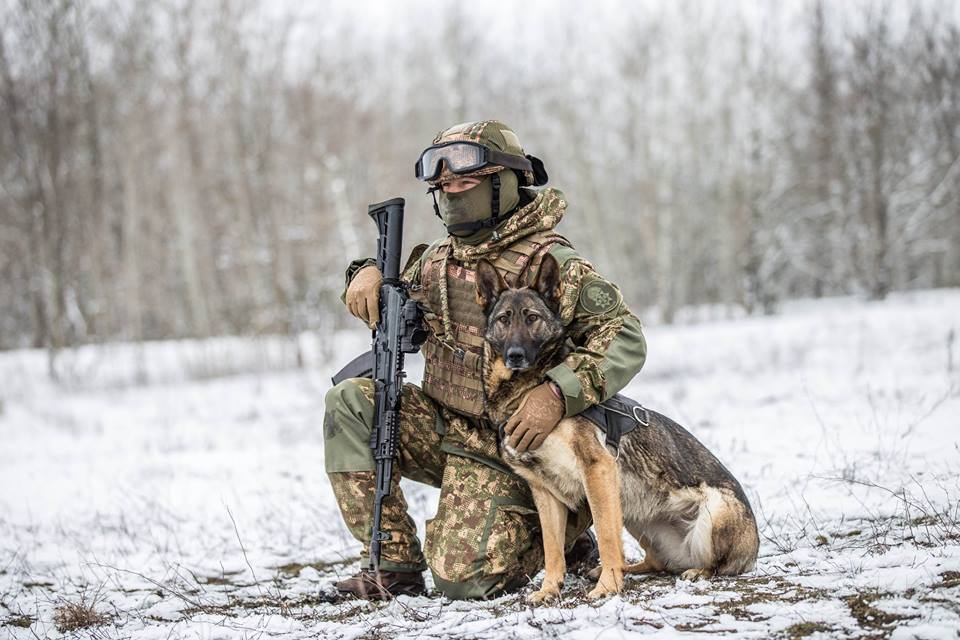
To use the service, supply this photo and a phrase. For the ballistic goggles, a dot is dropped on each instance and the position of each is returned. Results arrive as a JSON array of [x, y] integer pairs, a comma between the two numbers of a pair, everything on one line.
[[468, 157]]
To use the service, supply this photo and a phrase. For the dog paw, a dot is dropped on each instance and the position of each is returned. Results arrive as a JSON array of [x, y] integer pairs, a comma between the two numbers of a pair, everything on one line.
[[543, 596], [696, 574], [600, 591], [610, 582], [594, 574]]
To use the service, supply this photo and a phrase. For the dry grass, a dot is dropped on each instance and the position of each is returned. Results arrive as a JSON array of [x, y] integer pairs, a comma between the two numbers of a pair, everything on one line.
[[921, 521], [293, 569], [21, 621], [949, 579], [870, 618], [804, 629], [70, 616]]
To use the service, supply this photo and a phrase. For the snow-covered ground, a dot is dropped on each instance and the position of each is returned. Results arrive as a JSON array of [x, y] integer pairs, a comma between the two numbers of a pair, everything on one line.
[[182, 504]]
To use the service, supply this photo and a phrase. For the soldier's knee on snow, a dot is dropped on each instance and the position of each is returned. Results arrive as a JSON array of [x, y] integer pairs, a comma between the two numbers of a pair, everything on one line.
[[347, 424], [478, 586]]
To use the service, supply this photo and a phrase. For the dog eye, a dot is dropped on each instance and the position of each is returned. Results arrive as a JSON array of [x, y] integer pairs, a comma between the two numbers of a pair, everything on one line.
[[532, 318], [504, 319]]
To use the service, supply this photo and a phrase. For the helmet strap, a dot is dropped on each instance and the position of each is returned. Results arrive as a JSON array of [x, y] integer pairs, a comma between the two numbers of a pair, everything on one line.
[[433, 193]]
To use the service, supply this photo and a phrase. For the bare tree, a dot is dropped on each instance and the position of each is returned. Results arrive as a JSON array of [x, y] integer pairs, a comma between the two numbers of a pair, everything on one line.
[[190, 169]]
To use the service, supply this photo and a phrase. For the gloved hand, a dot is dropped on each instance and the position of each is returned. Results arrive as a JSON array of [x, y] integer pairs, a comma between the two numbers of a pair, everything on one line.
[[363, 295], [538, 414]]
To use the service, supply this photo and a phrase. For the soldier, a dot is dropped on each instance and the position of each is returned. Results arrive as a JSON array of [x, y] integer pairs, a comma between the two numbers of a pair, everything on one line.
[[485, 537]]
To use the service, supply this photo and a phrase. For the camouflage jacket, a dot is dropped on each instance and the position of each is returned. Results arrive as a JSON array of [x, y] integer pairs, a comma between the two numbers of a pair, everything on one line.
[[609, 344]]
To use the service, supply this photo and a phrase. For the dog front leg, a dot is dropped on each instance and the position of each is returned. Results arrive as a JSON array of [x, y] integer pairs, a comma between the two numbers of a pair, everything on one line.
[[602, 482], [553, 522]]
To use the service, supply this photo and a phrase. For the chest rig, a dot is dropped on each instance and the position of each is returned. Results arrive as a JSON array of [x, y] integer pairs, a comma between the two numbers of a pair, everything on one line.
[[453, 352]]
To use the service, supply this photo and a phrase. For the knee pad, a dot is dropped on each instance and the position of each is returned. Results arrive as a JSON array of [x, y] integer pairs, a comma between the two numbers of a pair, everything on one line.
[[347, 425]]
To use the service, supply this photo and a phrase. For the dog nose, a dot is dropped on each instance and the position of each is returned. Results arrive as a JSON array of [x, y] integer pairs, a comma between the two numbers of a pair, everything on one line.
[[514, 355]]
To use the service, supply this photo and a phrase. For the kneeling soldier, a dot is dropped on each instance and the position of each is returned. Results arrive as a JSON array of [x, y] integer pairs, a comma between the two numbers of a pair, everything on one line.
[[484, 539]]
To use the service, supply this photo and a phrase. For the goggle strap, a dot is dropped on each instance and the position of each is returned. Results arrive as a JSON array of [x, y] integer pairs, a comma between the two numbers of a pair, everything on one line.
[[508, 161]]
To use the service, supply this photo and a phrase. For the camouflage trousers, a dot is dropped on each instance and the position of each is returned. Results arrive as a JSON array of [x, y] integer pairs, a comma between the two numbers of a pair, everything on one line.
[[485, 538]]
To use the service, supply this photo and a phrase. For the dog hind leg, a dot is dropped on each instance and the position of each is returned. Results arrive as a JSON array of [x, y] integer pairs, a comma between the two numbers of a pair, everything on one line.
[[650, 563], [697, 574]]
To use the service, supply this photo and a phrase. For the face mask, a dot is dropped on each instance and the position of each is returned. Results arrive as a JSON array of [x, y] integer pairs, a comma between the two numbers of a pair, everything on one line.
[[476, 205]]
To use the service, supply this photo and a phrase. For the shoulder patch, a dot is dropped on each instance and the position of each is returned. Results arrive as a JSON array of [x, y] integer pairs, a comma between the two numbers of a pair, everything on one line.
[[599, 296]]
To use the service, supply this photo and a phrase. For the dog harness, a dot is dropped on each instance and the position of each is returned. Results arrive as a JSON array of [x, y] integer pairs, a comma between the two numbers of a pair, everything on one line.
[[617, 416]]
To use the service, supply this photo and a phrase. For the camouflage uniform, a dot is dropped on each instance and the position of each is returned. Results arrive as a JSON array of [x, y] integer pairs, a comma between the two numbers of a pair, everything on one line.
[[485, 537]]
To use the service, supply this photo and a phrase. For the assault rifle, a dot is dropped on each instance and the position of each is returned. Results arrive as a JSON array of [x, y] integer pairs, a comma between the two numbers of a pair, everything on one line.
[[399, 331]]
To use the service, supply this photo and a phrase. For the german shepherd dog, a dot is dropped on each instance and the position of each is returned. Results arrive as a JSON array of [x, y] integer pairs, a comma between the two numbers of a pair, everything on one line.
[[689, 514]]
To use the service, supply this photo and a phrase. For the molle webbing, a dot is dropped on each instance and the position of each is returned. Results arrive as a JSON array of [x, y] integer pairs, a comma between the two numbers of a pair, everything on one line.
[[452, 374]]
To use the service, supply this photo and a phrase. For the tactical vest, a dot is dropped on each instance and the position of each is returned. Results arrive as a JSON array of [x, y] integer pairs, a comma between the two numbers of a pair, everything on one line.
[[453, 352]]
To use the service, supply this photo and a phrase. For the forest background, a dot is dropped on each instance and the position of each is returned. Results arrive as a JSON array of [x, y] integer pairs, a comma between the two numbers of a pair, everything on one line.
[[180, 169]]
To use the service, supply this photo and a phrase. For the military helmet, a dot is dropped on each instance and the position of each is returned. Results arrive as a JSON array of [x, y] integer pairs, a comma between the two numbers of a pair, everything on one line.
[[476, 149]]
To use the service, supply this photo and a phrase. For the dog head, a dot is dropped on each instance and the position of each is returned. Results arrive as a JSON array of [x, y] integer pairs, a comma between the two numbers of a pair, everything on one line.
[[521, 320]]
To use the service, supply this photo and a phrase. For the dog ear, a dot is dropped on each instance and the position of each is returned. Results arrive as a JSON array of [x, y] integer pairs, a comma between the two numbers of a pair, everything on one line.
[[490, 285], [523, 278], [547, 282]]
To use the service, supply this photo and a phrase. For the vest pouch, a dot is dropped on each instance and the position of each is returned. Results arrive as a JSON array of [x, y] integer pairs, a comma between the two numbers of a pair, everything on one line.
[[453, 378], [418, 294]]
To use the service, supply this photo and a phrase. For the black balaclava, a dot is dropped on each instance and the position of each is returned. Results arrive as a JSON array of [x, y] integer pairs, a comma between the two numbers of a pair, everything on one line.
[[477, 205]]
